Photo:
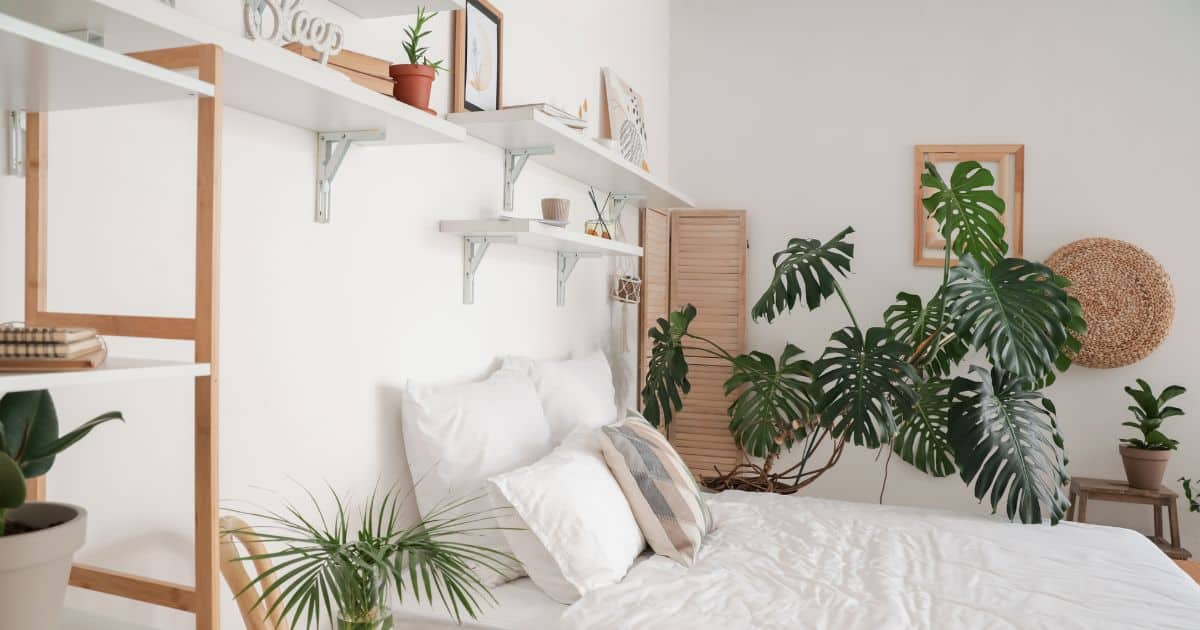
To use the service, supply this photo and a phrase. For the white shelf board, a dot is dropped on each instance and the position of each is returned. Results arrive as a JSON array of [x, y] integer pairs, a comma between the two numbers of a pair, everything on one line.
[[527, 233], [389, 8], [112, 370], [258, 78], [575, 156], [45, 71]]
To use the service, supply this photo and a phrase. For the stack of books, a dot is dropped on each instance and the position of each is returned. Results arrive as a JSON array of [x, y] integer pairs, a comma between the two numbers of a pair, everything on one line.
[[570, 120], [34, 349]]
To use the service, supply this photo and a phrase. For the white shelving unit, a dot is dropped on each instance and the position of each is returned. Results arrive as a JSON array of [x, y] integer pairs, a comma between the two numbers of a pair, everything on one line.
[[479, 235], [114, 369], [389, 8], [527, 133]]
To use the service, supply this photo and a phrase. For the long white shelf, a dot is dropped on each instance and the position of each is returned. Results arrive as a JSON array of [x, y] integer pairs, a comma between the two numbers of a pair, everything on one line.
[[389, 8], [574, 155], [527, 233], [258, 78], [112, 370], [45, 71]]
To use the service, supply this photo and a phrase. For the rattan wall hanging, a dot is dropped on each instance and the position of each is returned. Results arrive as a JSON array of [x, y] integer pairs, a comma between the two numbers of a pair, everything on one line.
[[1127, 299]]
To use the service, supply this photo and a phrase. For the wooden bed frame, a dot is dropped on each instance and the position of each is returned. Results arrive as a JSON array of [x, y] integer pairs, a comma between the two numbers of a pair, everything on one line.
[[202, 598]]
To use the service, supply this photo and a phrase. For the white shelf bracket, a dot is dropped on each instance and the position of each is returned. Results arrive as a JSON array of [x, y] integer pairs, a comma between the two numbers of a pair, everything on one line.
[[514, 163], [16, 143], [474, 247], [566, 266], [331, 150]]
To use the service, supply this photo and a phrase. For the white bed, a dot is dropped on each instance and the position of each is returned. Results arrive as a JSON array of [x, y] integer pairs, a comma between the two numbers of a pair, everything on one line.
[[791, 562]]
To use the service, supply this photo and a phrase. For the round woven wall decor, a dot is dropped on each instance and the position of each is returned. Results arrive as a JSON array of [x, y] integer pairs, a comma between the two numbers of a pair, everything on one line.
[[1127, 299]]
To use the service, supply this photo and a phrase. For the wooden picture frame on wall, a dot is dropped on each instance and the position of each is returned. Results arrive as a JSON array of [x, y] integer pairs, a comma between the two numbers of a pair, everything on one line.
[[478, 72], [1007, 164]]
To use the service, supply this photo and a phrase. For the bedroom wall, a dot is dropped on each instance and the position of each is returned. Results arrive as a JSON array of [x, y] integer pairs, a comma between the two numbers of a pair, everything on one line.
[[321, 324], [806, 114]]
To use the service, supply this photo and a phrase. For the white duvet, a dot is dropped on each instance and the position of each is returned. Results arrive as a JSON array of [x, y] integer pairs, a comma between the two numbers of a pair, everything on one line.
[[791, 562]]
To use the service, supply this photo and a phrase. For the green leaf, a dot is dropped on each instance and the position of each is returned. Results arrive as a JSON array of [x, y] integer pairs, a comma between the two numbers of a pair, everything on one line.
[[29, 422], [865, 384], [804, 271], [1006, 440], [1014, 310], [666, 374], [1193, 501], [916, 324], [775, 403], [923, 437], [967, 211], [64, 442], [1171, 391], [12, 485]]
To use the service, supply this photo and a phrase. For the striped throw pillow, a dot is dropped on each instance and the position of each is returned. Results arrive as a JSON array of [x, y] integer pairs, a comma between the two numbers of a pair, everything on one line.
[[661, 490]]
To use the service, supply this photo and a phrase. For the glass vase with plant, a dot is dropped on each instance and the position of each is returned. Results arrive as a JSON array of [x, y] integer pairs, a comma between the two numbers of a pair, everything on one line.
[[413, 81], [326, 567], [1145, 458]]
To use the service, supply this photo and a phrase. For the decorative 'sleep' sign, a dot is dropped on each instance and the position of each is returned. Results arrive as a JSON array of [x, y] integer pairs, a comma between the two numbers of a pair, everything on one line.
[[289, 22]]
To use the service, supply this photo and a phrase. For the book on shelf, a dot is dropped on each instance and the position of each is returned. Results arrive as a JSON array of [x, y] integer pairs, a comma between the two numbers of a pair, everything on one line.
[[36, 334], [85, 362], [570, 120], [72, 350]]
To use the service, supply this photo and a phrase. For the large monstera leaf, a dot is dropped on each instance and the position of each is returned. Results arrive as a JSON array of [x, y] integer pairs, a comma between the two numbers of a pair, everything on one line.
[[775, 404], [1006, 440], [1017, 310], [666, 375], [923, 436], [967, 211], [804, 271], [865, 384], [917, 325]]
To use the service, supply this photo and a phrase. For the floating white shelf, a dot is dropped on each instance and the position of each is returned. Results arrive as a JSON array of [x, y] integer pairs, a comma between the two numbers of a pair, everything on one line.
[[479, 235], [45, 71], [573, 154], [112, 370], [389, 8]]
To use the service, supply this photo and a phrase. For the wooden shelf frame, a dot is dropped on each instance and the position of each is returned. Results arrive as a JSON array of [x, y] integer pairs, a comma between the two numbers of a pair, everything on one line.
[[202, 598], [368, 9]]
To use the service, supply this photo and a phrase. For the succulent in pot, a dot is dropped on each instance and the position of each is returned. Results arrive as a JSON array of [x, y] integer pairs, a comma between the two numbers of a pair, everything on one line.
[[37, 539], [1146, 458], [413, 81]]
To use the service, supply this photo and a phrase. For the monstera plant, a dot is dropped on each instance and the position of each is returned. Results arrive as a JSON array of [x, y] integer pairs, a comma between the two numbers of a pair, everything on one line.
[[903, 385]]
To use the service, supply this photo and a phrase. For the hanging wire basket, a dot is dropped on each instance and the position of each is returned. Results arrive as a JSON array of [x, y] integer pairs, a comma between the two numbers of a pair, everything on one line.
[[627, 289]]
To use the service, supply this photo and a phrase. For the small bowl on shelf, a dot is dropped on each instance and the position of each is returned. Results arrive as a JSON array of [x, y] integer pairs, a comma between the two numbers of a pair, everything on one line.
[[556, 209]]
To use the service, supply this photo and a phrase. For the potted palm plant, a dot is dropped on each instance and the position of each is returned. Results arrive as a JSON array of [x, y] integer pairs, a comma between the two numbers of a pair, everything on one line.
[[414, 80], [1146, 458], [37, 539]]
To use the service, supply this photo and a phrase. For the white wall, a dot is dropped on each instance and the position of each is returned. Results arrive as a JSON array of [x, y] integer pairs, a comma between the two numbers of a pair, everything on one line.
[[321, 324], [806, 113]]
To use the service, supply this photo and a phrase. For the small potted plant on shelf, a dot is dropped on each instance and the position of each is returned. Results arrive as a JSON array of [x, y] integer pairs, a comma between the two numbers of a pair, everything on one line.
[[1145, 458], [38, 540], [414, 80]]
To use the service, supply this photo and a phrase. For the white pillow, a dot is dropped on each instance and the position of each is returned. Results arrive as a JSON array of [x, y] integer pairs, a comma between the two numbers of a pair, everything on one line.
[[575, 393], [457, 436], [571, 526]]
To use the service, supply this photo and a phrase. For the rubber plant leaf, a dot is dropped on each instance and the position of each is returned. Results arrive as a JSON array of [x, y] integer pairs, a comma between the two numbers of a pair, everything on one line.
[[929, 331], [804, 271], [12, 484], [967, 211], [667, 371], [30, 423], [774, 404], [923, 436], [1006, 440], [865, 383], [51, 449]]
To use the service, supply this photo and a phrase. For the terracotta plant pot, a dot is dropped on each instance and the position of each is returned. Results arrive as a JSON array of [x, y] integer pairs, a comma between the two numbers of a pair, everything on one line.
[[34, 565], [1143, 468], [413, 84]]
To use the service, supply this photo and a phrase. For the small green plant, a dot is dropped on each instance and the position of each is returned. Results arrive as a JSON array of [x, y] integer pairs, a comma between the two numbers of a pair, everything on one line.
[[29, 441], [418, 55], [1150, 412], [1193, 500], [320, 567]]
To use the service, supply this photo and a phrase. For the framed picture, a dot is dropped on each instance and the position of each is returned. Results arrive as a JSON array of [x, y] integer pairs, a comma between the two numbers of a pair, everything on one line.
[[478, 57], [626, 120], [1007, 164]]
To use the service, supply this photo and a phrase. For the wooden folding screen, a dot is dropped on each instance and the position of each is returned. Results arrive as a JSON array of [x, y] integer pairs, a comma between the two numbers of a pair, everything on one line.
[[706, 256]]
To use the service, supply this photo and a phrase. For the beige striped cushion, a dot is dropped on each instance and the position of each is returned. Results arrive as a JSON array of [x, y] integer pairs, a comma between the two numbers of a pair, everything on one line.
[[661, 490]]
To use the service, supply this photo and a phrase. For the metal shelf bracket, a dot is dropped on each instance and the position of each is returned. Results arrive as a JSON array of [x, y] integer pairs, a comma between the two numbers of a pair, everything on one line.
[[16, 143], [331, 150], [514, 162], [566, 266], [474, 248]]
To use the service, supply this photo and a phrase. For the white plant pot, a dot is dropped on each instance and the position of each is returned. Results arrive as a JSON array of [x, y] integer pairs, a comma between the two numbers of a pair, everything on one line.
[[35, 566]]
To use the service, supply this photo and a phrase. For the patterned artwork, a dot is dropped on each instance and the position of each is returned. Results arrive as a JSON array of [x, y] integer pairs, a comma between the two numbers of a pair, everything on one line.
[[627, 120]]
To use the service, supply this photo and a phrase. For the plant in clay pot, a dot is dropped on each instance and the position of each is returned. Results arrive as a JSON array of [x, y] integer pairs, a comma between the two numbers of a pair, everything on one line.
[[1146, 458], [38, 540], [414, 80]]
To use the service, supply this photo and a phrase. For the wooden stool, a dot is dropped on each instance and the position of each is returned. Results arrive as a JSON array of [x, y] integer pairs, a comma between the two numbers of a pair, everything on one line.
[[1084, 488]]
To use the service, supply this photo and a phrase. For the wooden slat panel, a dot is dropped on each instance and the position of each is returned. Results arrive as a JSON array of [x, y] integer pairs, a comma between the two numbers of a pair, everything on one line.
[[656, 282]]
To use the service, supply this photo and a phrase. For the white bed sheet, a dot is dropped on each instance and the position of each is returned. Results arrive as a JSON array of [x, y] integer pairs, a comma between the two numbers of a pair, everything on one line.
[[521, 605]]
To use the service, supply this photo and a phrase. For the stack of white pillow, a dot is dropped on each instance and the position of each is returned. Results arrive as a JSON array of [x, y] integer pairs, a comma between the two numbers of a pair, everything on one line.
[[527, 441]]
